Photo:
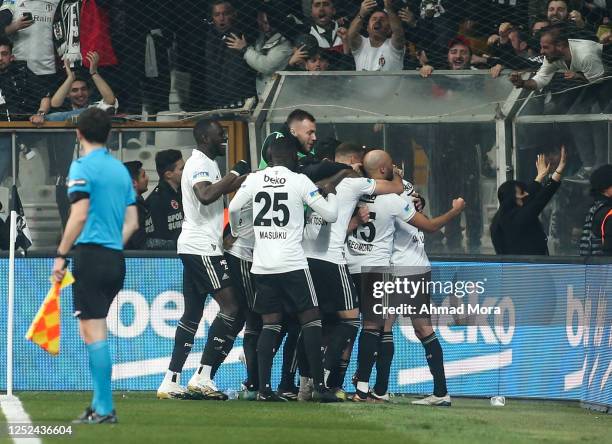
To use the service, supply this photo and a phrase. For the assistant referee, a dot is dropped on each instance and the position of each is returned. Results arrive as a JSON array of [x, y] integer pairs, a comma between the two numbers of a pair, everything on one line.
[[103, 216]]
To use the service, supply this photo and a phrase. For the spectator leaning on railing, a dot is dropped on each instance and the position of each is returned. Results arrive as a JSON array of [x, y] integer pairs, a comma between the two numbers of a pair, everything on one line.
[[383, 49], [578, 60]]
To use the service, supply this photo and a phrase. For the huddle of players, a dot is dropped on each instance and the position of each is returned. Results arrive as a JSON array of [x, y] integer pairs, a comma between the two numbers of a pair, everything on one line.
[[297, 251]]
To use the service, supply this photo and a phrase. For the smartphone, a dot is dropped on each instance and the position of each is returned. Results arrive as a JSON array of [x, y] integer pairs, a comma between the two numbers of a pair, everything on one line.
[[27, 16]]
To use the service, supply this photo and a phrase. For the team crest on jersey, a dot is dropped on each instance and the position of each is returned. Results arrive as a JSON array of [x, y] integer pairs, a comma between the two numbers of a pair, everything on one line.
[[174, 204], [214, 247], [408, 188], [382, 61]]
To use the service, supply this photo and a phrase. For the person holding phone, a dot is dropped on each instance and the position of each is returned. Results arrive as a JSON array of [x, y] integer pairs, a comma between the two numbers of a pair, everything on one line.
[[29, 24]]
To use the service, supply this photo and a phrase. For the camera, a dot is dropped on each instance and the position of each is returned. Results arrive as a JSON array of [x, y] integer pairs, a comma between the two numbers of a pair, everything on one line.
[[27, 16]]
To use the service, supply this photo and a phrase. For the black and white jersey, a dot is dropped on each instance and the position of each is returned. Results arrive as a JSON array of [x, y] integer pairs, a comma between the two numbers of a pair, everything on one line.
[[243, 246], [202, 228], [409, 256], [371, 244], [325, 241], [278, 196]]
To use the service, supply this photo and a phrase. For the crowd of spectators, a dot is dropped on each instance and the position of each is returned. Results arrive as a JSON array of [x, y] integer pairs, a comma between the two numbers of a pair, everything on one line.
[[231, 48], [59, 57]]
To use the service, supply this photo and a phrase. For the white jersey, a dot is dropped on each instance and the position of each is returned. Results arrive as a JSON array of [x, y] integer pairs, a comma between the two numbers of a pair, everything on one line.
[[383, 58], [408, 257], [278, 196], [325, 241], [243, 246], [34, 44], [371, 244], [202, 229]]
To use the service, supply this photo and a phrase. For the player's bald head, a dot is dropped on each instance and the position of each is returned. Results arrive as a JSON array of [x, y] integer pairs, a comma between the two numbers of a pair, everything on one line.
[[378, 165]]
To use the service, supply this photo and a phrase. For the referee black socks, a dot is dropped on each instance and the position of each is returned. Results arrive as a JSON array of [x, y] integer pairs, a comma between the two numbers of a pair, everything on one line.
[[435, 360], [344, 333], [386, 349]]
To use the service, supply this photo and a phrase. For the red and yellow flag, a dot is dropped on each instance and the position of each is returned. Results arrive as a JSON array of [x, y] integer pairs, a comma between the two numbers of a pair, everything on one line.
[[45, 328]]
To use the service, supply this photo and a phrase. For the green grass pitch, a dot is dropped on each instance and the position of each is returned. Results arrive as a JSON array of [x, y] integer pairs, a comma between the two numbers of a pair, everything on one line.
[[144, 419]]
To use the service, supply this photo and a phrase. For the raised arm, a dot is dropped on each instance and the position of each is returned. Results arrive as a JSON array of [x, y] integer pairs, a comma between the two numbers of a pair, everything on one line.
[[398, 39], [354, 35], [427, 225], [103, 88], [60, 95]]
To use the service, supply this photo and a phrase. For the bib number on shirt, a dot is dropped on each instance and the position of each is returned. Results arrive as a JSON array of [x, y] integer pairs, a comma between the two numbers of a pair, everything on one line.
[[276, 203], [366, 231]]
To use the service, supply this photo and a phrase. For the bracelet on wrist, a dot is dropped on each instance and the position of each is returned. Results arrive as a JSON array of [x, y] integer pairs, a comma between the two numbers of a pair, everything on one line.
[[559, 173], [63, 256]]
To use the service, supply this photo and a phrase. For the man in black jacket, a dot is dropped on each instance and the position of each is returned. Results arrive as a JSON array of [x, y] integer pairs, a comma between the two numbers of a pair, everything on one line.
[[227, 80], [596, 237], [140, 181], [22, 97], [165, 202]]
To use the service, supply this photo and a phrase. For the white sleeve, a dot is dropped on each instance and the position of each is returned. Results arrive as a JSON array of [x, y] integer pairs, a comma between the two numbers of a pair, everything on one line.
[[241, 199], [201, 173], [327, 208], [544, 74], [361, 185], [592, 67], [404, 208]]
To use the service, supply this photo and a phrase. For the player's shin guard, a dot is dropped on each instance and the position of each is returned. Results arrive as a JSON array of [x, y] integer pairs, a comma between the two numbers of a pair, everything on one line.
[[288, 370], [343, 334], [368, 349], [183, 342], [312, 334], [219, 342], [249, 344], [435, 360], [266, 349], [101, 367], [384, 359]]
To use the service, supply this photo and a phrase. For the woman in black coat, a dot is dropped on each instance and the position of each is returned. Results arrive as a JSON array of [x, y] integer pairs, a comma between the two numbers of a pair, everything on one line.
[[516, 227]]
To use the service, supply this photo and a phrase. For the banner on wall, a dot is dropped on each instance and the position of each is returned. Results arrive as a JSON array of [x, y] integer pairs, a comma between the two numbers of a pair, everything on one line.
[[537, 330]]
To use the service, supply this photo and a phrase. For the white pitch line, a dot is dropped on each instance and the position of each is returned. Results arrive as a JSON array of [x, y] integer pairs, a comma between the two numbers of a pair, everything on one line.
[[15, 414]]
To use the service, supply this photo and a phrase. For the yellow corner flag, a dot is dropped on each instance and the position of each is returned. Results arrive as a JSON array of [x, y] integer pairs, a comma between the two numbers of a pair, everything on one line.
[[45, 328]]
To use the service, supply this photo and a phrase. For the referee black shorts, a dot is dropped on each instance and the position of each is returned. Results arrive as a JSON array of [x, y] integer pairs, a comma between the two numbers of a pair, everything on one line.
[[204, 275], [334, 286], [99, 273], [291, 292], [242, 279]]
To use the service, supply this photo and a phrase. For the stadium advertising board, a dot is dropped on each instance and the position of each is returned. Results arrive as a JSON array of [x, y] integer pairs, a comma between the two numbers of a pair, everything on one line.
[[539, 330]]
